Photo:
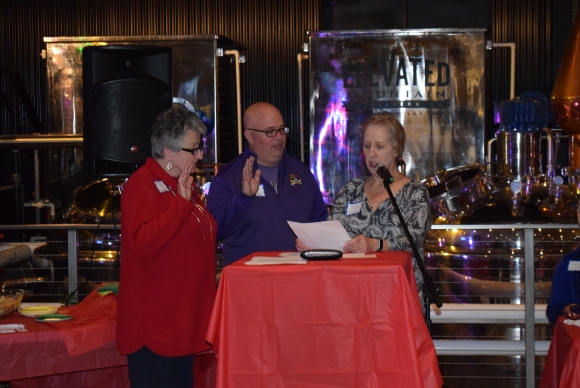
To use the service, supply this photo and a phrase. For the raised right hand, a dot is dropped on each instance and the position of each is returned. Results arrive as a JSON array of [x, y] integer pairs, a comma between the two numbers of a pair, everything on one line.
[[250, 183], [185, 181]]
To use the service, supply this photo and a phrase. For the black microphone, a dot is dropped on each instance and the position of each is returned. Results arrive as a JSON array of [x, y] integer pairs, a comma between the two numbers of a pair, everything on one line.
[[384, 173]]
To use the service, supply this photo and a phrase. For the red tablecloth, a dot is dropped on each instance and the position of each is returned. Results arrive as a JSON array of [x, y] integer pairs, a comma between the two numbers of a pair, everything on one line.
[[77, 353], [344, 323], [562, 368], [85, 344]]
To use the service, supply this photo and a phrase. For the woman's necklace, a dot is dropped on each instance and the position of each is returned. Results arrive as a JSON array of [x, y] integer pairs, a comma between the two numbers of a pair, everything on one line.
[[203, 211]]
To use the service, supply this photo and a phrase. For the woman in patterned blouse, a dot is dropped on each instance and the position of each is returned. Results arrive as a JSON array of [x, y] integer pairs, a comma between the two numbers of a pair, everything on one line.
[[363, 205]]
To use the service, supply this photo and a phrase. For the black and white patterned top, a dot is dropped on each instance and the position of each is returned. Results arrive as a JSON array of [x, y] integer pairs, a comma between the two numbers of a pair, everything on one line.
[[352, 208]]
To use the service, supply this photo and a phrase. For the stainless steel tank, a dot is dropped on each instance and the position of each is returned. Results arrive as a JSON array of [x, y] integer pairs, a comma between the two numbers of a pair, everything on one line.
[[433, 79]]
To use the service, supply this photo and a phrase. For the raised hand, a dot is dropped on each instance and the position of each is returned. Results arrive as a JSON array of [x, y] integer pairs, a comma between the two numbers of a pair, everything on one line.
[[250, 183], [185, 181]]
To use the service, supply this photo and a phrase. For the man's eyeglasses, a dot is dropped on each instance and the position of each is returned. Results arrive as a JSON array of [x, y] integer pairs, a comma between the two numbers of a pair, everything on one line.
[[272, 132], [196, 150]]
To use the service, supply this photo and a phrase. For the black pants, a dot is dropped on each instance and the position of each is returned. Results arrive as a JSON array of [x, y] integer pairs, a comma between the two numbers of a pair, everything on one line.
[[150, 370]]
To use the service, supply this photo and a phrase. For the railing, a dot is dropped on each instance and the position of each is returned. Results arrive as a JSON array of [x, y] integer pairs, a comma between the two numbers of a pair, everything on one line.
[[72, 246], [488, 314], [529, 313]]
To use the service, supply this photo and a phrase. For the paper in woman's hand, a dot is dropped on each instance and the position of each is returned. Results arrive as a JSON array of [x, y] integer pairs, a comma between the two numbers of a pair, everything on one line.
[[320, 235]]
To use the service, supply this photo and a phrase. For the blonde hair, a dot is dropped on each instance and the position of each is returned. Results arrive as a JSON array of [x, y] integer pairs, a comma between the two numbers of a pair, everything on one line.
[[395, 133]]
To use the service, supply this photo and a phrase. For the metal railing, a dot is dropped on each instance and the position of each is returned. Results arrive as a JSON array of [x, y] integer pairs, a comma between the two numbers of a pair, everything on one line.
[[529, 313], [72, 245]]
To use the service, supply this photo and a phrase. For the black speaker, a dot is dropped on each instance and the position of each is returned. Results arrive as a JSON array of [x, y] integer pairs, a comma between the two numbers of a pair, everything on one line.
[[124, 89]]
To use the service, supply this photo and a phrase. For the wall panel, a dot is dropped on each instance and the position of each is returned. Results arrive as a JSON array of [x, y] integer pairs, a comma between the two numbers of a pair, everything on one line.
[[527, 24]]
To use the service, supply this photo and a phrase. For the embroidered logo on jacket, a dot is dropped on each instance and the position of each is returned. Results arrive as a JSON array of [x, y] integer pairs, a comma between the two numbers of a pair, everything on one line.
[[295, 180]]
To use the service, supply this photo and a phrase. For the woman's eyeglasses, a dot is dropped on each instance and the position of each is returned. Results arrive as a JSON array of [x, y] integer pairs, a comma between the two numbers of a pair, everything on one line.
[[196, 150]]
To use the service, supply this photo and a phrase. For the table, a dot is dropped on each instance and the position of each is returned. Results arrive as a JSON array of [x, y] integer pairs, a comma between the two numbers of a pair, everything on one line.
[[77, 353], [65, 353], [344, 323], [562, 368]]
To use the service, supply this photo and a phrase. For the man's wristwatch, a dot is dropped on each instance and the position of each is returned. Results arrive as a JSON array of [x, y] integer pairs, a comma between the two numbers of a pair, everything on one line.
[[380, 245]]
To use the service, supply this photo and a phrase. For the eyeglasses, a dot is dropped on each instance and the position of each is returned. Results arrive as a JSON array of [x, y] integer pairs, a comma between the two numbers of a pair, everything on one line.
[[272, 132], [196, 150]]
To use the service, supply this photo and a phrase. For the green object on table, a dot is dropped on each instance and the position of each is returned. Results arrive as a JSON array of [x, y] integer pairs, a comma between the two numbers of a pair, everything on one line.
[[109, 288], [53, 318]]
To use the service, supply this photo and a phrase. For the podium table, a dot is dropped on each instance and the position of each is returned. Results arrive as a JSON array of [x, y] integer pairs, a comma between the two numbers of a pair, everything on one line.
[[344, 323]]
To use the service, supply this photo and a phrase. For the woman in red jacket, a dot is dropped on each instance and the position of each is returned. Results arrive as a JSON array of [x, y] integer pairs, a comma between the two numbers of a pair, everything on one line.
[[167, 284]]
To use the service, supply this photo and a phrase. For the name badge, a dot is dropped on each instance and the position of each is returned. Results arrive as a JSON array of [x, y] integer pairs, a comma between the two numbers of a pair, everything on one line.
[[161, 186], [260, 192], [574, 266], [353, 208]]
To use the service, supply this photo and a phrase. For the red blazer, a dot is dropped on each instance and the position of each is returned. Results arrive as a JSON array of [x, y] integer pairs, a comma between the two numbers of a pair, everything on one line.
[[168, 275]]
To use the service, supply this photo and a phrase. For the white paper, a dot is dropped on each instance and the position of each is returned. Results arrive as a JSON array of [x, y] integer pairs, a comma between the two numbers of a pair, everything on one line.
[[321, 235], [12, 328], [359, 256], [269, 260]]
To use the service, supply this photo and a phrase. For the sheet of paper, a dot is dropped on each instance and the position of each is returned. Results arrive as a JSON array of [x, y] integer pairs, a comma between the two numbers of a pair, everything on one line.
[[269, 260], [359, 256], [321, 235]]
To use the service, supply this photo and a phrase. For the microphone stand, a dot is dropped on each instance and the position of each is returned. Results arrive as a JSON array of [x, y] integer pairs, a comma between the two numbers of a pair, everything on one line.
[[432, 291]]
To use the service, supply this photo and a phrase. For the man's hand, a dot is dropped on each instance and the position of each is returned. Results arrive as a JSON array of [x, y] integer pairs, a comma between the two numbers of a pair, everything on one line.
[[250, 184]]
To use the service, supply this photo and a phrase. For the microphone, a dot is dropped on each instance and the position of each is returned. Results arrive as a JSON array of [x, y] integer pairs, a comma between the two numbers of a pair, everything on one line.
[[384, 173]]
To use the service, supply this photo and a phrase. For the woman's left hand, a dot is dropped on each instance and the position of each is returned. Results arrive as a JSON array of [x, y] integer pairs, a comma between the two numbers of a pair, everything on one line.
[[185, 181], [360, 244]]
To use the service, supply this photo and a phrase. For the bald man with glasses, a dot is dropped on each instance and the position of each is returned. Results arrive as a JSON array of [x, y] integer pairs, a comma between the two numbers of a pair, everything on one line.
[[254, 195]]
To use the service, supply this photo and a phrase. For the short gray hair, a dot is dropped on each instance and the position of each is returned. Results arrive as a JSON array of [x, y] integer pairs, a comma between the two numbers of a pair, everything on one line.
[[169, 129]]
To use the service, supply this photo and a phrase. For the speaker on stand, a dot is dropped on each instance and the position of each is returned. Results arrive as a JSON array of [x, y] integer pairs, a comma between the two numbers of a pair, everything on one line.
[[124, 89]]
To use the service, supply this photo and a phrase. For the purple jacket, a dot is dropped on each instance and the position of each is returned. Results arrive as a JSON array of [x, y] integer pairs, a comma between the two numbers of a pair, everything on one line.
[[258, 223]]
